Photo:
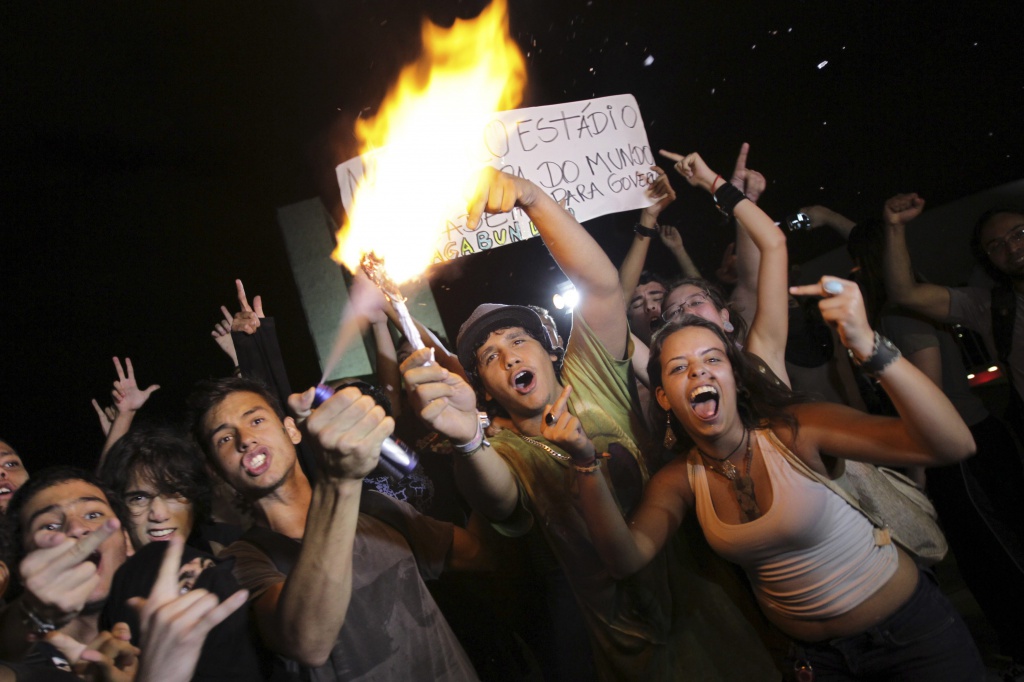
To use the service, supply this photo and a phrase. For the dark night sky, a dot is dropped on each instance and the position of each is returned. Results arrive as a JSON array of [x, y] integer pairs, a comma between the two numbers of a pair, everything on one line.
[[147, 146]]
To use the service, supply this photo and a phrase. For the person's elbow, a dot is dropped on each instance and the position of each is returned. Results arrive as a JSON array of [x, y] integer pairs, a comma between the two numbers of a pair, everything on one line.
[[307, 653], [955, 448]]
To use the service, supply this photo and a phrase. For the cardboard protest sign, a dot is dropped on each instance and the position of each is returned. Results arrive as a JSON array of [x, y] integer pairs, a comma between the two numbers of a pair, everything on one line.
[[593, 155]]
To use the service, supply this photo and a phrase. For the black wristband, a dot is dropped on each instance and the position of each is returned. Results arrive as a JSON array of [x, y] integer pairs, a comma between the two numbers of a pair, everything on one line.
[[649, 232], [884, 354], [726, 197]]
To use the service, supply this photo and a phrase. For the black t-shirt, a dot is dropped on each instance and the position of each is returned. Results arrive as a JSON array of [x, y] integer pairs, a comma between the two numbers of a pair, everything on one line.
[[231, 651]]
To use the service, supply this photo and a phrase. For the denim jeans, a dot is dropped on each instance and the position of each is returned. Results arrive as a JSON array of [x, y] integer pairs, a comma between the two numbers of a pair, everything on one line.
[[926, 640]]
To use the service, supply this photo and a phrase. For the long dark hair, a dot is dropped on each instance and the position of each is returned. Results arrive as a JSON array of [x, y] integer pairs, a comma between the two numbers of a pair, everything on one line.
[[760, 402]]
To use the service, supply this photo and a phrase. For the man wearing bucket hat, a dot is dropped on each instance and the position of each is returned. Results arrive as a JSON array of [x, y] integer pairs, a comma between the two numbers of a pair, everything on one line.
[[520, 370]]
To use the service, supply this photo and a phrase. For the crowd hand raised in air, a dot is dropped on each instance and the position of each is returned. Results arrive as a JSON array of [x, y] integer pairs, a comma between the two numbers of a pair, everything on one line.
[[726, 272], [109, 657], [222, 335], [128, 397], [248, 318], [175, 624], [842, 307], [442, 398], [564, 429], [106, 414], [693, 168], [747, 180], [902, 208], [660, 192]]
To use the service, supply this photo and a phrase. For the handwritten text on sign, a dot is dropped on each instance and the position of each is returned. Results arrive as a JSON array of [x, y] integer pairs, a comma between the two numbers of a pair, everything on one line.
[[593, 155]]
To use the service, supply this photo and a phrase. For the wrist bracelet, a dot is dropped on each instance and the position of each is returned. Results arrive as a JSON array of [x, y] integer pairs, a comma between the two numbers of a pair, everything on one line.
[[588, 468], [35, 623], [726, 197], [477, 441], [882, 355], [643, 231]]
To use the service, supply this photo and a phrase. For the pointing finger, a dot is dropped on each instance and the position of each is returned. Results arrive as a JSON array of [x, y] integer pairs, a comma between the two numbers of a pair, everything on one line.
[[741, 160], [242, 300], [672, 156]]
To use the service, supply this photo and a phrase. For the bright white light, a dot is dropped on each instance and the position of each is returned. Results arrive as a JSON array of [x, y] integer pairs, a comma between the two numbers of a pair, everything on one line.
[[571, 298], [970, 376], [823, 64], [993, 368], [649, 60], [558, 302]]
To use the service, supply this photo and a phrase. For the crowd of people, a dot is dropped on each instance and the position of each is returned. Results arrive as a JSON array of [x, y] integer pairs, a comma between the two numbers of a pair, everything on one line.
[[545, 533]]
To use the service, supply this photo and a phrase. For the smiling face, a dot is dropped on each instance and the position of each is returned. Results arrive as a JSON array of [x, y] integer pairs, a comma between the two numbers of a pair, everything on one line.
[[76, 508], [644, 309], [691, 299], [698, 385], [253, 447], [155, 516], [12, 474], [517, 372], [1002, 239]]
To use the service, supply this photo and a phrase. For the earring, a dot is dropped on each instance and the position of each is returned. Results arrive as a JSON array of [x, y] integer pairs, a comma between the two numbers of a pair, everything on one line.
[[670, 435], [729, 329]]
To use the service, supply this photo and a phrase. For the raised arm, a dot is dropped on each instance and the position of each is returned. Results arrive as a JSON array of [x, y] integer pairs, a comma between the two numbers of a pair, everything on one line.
[[826, 217], [769, 276], [662, 194], [301, 617], [928, 432], [447, 403], [579, 256], [929, 300], [128, 399]]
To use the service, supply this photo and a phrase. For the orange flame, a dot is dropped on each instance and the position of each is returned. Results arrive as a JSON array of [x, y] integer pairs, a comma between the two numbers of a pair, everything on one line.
[[427, 142]]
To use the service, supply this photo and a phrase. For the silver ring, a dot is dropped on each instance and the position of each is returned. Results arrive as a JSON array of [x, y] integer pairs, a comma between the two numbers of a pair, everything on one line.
[[832, 287]]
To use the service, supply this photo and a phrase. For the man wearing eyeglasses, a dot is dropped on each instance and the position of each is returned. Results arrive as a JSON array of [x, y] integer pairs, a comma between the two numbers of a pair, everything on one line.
[[997, 314]]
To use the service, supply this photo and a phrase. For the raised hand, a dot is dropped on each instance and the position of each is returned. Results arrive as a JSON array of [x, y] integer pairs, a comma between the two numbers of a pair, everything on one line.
[[661, 192], [842, 307], [747, 180], [248, 318], [222, 335], [693, 168], [128, 397], [563, 429], [109, 657], [902, 208], [670, 237], [499, 192], [107, 416], [349, 428], [175, 625], [58, 576], [443, 399]]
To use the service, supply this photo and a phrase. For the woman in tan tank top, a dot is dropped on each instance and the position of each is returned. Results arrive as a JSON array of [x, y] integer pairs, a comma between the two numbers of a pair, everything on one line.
[[896, 627]]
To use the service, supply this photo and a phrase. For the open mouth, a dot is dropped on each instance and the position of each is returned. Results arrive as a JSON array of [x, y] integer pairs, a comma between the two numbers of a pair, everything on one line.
[[256, 462], [524, 381], [94, 558], [704, 401], [6, 489], [161, 533]]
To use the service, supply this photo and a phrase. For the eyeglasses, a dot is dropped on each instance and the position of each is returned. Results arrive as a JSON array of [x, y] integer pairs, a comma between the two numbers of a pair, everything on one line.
[[1014, 237], [688, 305]]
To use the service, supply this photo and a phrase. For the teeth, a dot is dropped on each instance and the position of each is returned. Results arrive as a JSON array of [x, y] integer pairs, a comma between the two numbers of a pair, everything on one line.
[[258, 461], [700, 390], [4, 490], [164, 532]]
